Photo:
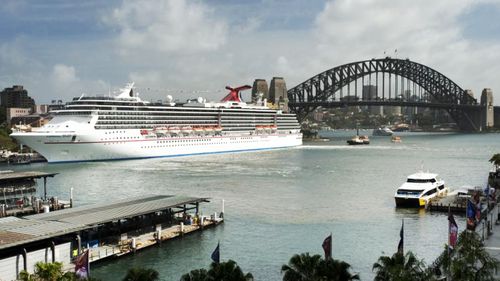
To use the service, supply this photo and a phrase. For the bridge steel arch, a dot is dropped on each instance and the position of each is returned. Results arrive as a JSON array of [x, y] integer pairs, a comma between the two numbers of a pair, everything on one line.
[[320, 89]]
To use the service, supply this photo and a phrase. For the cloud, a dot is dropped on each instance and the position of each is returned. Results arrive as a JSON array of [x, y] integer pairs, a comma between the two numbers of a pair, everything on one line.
[[426, 31], [168, 26]]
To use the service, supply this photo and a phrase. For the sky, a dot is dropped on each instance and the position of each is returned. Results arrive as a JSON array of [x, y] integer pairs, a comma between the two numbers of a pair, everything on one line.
[[60, 49]]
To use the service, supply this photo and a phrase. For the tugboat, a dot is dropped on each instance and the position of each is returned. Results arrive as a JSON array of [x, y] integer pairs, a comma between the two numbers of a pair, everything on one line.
[[419, 189], [357, 139]]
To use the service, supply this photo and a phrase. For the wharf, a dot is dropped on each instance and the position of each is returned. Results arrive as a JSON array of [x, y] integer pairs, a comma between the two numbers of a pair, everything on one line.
[[110, 229], [18, 190]]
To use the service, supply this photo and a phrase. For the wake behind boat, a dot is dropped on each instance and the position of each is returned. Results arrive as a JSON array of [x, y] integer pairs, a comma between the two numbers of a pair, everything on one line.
[[126, 127], [419, 189]]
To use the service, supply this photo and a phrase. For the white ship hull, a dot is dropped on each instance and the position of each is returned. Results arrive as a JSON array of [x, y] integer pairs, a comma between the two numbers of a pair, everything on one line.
[[67, 148]]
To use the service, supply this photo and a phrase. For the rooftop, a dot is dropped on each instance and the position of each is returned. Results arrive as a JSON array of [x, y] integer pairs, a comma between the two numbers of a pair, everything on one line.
[[17, 231], [7, 176]]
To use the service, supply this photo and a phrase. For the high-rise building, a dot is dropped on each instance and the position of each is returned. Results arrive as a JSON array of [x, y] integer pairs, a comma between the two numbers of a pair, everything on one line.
[[17, 97]]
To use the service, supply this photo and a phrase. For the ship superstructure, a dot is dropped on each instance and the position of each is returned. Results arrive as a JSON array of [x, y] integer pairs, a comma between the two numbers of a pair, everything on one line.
[[126, 127]]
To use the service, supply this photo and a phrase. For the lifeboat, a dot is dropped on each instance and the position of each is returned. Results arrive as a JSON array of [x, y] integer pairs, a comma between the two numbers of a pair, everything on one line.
[[208, 129], [198, 129], [174, 130], [144, 132], [186, 130]]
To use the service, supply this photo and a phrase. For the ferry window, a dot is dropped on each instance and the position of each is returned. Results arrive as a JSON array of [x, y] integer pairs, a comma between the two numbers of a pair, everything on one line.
[[421, 180], [441, 187], [432, 191], [409, 192]]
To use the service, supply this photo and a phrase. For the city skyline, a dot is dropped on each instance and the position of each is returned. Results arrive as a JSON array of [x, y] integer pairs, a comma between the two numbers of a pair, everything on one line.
[[60, 49]]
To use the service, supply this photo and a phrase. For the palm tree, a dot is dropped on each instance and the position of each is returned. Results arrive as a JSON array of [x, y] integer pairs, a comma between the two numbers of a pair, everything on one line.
[[495, 160], [470, 260], [141, 274], [400, 267], [335, 270], [196, 275], [227, 271], [301, 267], [47, 272]]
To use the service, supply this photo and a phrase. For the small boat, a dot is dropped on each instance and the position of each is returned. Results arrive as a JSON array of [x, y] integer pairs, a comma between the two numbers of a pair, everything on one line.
[[357, 139], [174, 130], [419, 189], [382, 132], [396, 139], [186, 130]]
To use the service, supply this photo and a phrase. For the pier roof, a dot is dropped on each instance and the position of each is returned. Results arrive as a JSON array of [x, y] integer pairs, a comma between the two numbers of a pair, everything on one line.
[[18, 231], [7, 176]]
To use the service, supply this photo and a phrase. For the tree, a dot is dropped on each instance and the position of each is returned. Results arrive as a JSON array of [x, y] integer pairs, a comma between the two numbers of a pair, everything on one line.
[[305, 267], [227, 271], [301, 267], [495, 160], [141, 274], [335, 270], [47, 272], [195, 275], [218, 272], [470, 260], [400, 267]]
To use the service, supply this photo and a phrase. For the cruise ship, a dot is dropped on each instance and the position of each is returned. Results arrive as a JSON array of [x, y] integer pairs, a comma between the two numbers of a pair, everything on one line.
[[126, 127]]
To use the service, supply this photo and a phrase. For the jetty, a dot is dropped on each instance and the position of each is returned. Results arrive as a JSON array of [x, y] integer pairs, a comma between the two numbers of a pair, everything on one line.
[[106, 230], [18, 192]]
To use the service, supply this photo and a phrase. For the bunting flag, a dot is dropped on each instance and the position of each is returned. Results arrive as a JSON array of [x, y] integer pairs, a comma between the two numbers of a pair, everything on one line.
[[82, 268], [216, 254], [327, 246], [401, 240], [452, 232]]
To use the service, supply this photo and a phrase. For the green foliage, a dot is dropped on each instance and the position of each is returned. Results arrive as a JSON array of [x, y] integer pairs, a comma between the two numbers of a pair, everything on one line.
[[495, 159], [6, 142], [470, 260], [141, 274], [223, 271], [195, 275], [305, 267], [47, 272], [400, 267]]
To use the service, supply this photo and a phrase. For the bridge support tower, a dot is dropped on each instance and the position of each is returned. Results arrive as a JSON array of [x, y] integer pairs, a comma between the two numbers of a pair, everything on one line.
[[487, 112]]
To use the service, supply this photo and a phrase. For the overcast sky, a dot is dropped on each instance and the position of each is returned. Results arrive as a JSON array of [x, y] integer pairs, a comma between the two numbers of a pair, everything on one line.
[[59, 49]]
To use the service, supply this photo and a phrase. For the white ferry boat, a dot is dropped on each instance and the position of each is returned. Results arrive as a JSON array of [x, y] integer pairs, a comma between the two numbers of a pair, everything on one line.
[[126, 127], [418, 189]]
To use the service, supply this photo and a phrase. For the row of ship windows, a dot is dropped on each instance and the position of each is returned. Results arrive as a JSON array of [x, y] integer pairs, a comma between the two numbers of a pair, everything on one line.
[[192, 144], [148, 111]]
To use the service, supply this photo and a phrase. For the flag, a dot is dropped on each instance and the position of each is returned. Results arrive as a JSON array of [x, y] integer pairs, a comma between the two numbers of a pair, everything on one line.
[[216, 254], [471, 215], [82, 269], [401, 240], [471, 209], [327, 246], [452, 231]]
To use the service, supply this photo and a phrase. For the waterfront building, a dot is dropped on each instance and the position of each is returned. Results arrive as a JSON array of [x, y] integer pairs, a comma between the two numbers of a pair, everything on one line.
[[16, 96], [13, 112]]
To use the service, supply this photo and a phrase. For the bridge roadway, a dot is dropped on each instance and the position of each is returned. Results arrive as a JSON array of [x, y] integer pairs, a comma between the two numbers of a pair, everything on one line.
[[332, 104]]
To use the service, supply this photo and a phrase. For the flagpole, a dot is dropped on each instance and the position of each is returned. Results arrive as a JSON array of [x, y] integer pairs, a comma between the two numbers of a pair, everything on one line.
[[449, 240]]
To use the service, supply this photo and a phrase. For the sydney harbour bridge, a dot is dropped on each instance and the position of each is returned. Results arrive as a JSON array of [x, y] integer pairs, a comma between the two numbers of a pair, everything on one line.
[[396, 82]]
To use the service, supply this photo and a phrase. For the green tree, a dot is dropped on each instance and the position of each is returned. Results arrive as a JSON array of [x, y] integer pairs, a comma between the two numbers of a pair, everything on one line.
[[141, 274], [495, 160], [301, 267], [196, 275], [228, 270], [218, 272], [335, 270], [470, 260], [47, 272], [400, 267]]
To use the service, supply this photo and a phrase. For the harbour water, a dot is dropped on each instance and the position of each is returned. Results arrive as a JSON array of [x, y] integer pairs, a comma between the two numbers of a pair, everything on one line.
[[283, 202]]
